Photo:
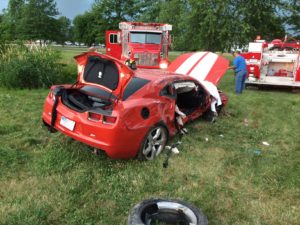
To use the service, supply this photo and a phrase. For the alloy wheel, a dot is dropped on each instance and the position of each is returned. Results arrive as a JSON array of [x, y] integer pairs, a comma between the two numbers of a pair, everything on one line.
[[154, 143]]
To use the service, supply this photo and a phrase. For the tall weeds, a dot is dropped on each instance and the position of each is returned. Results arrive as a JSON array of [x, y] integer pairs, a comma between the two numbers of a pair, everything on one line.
[[21, 67]]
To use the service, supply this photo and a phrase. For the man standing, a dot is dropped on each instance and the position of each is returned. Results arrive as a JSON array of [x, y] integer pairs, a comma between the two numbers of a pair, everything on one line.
[[239, 66]]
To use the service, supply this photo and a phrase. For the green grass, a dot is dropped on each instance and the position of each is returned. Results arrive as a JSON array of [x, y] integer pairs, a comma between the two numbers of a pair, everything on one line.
[[235, 179]]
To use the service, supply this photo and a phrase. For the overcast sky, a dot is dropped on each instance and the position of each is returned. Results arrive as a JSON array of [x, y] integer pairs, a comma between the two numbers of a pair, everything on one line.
[[68, 8]]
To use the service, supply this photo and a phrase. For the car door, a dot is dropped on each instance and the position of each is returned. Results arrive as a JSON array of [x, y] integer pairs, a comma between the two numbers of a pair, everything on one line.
[[192, 98], [168, 98]]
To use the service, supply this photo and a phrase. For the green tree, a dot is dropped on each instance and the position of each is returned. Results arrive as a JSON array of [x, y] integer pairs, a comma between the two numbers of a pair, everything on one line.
[[175, 12], [221, 24], [109, 13], [12, 18], [292, 17], [210, 25], [2, 28], [115, 11], [105, 15], [87, 28], [38, 20], [215, 25], [150, 11], [64, 32], [260, 18]]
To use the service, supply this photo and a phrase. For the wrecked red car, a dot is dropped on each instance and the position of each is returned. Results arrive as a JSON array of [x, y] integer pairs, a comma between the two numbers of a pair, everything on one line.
[[131, 113]]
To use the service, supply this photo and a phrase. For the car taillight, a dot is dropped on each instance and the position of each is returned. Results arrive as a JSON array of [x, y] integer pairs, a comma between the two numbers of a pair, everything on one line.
[[94, 116], [109, 119]]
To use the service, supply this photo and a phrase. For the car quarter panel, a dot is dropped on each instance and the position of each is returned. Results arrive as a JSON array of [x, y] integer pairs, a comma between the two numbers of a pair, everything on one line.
[[115, 139], [147, 112]]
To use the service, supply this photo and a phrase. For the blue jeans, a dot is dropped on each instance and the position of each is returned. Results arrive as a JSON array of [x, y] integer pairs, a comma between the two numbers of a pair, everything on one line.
[[240, 78]]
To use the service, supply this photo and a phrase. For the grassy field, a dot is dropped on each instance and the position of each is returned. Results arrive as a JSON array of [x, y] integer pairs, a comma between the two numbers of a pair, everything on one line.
[[234, 178]]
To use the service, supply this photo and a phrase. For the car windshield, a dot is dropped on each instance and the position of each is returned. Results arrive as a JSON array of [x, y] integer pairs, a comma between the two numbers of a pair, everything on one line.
[[145, 37]]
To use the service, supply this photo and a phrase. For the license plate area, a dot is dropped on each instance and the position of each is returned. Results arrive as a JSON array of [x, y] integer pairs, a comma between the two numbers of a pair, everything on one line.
[[67, 123]]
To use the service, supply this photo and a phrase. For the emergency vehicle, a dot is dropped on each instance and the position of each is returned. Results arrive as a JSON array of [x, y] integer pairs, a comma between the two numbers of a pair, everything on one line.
[[145, 44], [273, 63]]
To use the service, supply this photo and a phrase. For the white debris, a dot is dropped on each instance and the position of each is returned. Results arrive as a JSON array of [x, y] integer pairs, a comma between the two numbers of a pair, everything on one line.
[[221, 135], [175, 150], [206, 139], [246, 122], [265, 143]]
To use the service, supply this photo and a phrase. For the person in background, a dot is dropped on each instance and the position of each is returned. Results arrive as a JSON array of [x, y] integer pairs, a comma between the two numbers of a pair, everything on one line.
[[239, 66]]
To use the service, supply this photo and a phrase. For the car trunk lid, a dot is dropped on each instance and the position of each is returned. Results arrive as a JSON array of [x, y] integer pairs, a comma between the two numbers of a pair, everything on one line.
[[201, 65], [103, 71]]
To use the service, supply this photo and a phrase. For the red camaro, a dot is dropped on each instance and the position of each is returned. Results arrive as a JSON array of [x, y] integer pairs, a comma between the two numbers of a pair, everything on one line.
[[131, 113]]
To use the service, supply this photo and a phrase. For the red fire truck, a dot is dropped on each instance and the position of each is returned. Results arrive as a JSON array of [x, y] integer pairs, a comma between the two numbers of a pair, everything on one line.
[[273, 63], [145, 43]]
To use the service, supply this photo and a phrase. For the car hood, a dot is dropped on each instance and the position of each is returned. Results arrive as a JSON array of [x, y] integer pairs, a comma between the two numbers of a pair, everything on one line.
[[201, 66], [102, 71]]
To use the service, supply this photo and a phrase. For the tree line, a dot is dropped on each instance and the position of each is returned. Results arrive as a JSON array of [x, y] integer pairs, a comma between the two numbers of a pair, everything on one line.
[[215, 25], [34, 20]]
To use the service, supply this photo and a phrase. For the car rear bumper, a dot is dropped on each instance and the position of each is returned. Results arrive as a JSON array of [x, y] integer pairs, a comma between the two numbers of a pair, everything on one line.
[[115, 139]]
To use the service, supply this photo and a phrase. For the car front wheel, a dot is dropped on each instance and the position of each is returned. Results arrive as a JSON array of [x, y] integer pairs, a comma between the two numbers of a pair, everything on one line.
[[153, 143]]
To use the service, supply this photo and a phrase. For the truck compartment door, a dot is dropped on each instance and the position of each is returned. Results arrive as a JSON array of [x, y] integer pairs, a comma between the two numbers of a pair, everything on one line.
[[113, 44]]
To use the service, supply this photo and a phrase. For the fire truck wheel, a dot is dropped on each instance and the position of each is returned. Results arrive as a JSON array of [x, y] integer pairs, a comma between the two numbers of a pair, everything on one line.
[[165, 211]]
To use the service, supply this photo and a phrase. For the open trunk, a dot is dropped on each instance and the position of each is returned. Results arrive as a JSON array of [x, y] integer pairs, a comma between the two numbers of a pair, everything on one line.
[[80, 100], [100, 71]]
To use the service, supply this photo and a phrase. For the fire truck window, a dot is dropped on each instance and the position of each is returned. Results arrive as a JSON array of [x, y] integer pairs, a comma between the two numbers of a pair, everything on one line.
[[145, 37], [113, 38]]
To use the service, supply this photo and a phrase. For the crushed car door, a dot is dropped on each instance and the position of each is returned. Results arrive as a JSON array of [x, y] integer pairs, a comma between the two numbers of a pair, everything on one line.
[[191, 99], [201, 66], [168, 93]]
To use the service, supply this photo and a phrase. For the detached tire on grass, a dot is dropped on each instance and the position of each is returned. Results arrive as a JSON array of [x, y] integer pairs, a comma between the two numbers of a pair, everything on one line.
[[166, 211]]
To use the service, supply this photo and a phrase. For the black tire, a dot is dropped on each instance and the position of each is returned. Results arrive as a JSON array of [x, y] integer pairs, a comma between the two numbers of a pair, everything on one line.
[[156, 148], [166, 211], [209, 115]]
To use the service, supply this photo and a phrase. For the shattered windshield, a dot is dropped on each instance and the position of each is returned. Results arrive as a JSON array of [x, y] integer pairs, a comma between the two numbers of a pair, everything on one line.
[[145, 37]]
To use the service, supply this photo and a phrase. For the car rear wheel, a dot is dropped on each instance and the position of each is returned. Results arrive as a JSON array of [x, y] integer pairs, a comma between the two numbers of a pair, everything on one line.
[[153, 143], [166, 211]]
